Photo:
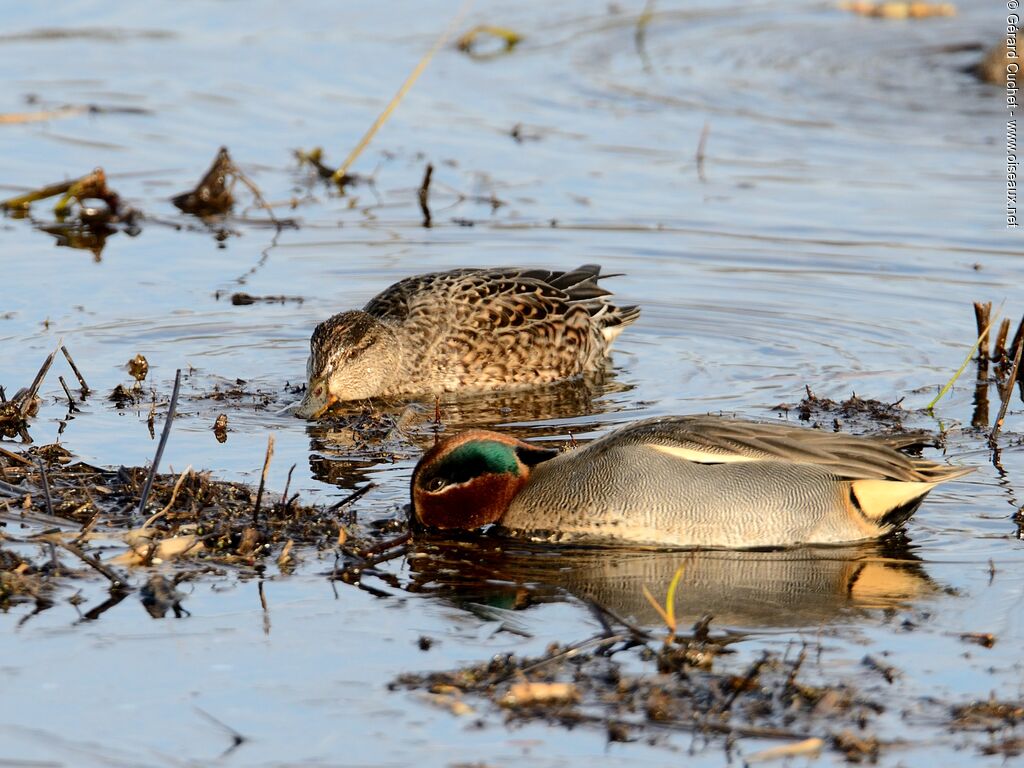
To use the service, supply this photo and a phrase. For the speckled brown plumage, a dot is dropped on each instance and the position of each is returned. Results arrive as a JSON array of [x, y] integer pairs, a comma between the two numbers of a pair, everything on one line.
[[465, 330]]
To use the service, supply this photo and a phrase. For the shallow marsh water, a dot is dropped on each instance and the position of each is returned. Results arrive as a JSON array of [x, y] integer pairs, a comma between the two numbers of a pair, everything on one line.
[[848, 211]]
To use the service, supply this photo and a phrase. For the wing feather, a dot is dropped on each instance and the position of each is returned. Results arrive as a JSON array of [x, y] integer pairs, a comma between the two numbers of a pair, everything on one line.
[[713, 439]]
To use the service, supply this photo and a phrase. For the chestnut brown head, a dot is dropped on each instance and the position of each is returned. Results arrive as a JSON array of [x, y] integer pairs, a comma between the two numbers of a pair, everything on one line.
[[468, 481]]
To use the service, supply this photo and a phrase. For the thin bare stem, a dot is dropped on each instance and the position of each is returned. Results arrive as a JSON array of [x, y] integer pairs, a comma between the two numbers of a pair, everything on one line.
[[78, 373], [162, 444], [263, 479], [71, 401], [117, 581], [46, 488], [174, 496], [1005, 395], [26, 402]]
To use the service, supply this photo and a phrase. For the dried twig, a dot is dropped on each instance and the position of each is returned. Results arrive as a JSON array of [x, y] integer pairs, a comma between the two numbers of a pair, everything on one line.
[[174, 495], [263, 479], [15, 457], [423, 195], [287, 483], [26, 401], [72, 408], [356, 494], [116, 580], [163, 442], [46, 487], [78, 373], [999, 351], [1005, 394], [981, 317], [743, 684], [236, 738]]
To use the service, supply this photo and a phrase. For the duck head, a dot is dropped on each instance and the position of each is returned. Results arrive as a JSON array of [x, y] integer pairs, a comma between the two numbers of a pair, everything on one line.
[[469, 480], [351, 357]]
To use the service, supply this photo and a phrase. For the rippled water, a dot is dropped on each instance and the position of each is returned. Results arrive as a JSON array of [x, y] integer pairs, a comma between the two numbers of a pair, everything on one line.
[[848, 210]]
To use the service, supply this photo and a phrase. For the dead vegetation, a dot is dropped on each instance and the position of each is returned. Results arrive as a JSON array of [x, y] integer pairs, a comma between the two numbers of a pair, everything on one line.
[[825, 413], [189, 517], [635, 689]]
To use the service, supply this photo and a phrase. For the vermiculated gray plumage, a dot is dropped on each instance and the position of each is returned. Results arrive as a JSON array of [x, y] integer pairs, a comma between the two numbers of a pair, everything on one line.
[[706, 481]]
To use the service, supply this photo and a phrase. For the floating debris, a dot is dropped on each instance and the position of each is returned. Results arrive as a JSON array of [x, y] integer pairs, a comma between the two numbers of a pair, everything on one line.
[[242, 299], [138, 368], [220, 428], [474, 42], [15, 412], [822, 411], [122, 396], [212, 196], [984, 639], [526, 694], [991, 715], [78, 192]]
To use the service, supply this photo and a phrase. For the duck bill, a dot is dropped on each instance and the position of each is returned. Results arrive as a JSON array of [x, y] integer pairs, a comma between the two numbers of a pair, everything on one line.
[[313, 407]]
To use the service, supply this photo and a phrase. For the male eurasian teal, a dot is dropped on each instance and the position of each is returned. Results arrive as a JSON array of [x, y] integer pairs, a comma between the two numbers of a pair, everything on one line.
[[464, 330], [679, 481]]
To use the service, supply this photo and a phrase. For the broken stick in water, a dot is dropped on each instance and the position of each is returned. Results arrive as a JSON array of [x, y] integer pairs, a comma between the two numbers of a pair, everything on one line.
[[162, 444], [1005, 393], [263, 479], [74, 368]]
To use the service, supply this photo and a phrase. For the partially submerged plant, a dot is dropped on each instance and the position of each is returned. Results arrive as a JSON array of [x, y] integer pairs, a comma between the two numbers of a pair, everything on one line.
[[668, 612]]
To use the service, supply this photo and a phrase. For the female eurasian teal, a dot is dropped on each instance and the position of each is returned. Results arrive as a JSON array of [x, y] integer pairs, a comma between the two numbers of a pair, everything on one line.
[[464, 330], [679, 481]]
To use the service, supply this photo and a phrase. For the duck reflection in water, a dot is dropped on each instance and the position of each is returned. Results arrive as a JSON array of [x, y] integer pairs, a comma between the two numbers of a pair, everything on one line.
[[364, 437], [803, 587]]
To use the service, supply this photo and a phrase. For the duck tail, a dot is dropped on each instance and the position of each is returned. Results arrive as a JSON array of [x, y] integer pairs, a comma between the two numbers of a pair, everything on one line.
[[613, 320], [889, 503], [581, 283]]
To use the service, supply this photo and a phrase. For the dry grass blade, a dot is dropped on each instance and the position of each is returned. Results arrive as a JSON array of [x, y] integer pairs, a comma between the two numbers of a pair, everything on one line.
[[174, 497], [163, 442], [657, 606], [18, 118], [970, 354], [342, 172], [668, 612], [21, 202]]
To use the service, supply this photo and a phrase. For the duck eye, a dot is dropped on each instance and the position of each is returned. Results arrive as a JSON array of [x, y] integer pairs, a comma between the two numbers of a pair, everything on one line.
[[436, 483], [318, 391]]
